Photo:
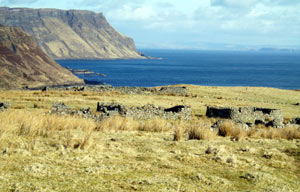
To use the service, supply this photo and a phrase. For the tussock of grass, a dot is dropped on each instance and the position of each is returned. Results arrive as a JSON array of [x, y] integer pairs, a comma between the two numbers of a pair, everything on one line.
[[178, 133], [156, 125], [289, 133], [128, 124], [229, 128], [16, 124], [117, 123], [201, 131]]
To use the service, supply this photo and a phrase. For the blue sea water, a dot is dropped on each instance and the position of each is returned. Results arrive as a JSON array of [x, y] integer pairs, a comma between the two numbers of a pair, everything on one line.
[[212, 68]]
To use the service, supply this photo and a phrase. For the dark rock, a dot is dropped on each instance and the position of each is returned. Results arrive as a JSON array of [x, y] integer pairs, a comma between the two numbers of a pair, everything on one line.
[[260, 122], [248, 177], [78, 88], [176, 109], [4, 106], [295, 121], [44, 89]]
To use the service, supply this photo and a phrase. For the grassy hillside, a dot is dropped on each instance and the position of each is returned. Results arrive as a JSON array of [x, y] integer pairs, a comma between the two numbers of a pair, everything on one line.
[[42, 152]]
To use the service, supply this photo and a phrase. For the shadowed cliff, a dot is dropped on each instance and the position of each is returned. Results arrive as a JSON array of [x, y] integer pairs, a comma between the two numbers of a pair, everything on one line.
[[71, 34], [23, 63]]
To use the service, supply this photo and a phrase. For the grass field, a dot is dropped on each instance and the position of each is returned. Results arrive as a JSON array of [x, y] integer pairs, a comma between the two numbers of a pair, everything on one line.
[[41, 152]]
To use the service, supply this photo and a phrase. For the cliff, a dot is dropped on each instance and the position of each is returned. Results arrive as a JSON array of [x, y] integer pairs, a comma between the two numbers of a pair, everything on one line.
[[72, 34], [23, 63]]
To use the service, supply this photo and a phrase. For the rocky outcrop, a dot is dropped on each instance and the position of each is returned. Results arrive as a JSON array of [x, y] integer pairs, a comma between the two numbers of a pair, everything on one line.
[[71, 34], [24, 64], [248, 115]]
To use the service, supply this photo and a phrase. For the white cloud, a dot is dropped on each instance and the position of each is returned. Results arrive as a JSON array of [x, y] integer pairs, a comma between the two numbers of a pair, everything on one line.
[[127, 12]]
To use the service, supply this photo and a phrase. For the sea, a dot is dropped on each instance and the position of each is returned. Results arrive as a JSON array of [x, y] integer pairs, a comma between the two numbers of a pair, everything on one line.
[[206, 68]]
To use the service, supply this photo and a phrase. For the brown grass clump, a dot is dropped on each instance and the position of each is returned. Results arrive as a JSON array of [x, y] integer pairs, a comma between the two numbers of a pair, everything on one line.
[[117, 123], [15, 124], [178, 133], [229, 128], [289, 133], [155, 125], [201, 131]]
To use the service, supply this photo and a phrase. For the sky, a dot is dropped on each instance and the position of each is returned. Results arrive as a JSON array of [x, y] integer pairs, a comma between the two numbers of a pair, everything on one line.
[[193, 24]]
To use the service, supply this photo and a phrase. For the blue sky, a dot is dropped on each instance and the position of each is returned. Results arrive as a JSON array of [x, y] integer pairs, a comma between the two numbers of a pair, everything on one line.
[[199, 24]]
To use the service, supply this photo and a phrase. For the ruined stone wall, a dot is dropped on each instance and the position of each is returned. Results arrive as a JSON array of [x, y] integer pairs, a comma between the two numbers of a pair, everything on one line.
[[145, 112], [112, 109], [248, 115], [168, 90]]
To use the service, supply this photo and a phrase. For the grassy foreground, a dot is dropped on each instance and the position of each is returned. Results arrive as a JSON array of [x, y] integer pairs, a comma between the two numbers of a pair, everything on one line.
[[40, 152]]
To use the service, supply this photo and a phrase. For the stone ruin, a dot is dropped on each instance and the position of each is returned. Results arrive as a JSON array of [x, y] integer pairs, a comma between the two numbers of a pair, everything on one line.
[[145, 112], [4, 106], [248, 115], [106, 110]]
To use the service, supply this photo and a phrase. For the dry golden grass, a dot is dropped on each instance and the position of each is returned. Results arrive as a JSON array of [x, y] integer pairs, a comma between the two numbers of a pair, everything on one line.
[[201, 131], [178, 133], [155, 125], [229, 128], [118, 123], [40, 152], [15, 124], [289, 133]]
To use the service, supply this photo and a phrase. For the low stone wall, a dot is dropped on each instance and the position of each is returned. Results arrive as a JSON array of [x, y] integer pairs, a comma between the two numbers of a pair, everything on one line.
[[145, 112], [112, 109], [168, 90], [174, 91], [248, 115], [62, 109]]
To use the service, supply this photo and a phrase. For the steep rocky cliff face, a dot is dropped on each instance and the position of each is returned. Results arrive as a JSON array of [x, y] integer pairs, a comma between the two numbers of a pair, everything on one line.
[[71, 34], [23, 63]]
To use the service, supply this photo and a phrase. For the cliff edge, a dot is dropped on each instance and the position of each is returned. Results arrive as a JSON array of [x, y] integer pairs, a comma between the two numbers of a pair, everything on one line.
[[23, 63], [71, 34]]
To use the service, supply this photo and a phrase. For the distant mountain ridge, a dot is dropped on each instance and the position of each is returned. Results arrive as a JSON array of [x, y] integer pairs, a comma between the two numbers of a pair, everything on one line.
[[71, 34], [23, 63]]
